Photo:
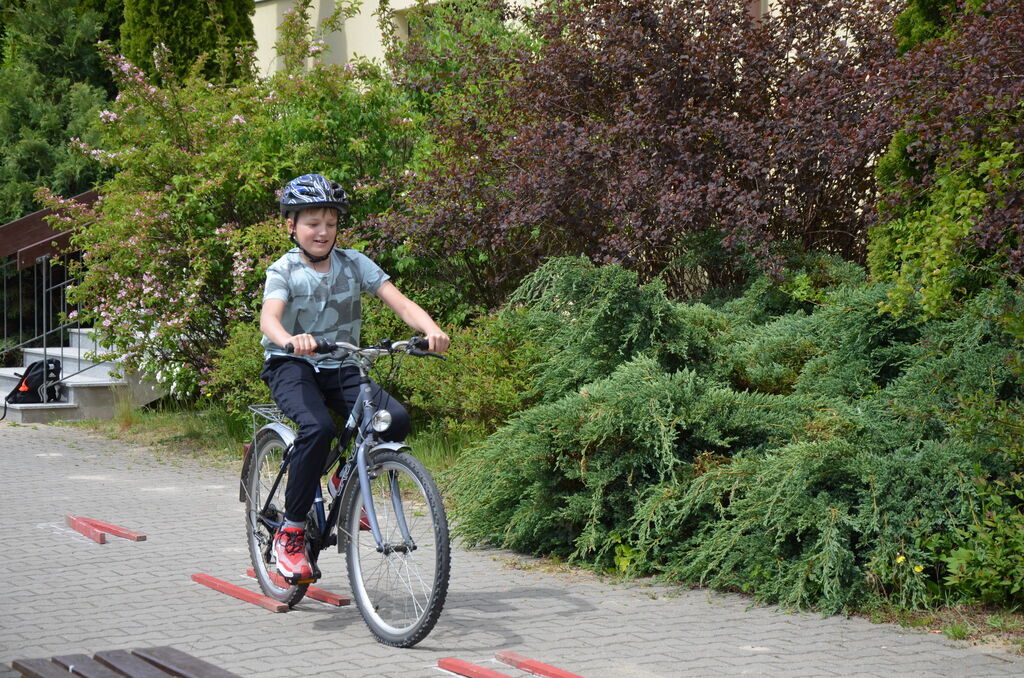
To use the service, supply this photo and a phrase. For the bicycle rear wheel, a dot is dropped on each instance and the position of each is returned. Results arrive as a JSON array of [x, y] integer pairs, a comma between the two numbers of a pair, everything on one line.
[[400, 590], [263, 468]]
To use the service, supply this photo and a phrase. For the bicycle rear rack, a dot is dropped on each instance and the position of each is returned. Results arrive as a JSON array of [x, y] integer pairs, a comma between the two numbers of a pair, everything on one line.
[[267, 413]]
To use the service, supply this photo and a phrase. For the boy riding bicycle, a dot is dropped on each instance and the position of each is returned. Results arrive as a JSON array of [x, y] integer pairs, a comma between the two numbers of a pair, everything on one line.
[[314, 291]]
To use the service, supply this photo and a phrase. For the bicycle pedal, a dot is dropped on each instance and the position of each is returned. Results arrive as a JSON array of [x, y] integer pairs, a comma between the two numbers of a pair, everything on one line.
[[292, 581]]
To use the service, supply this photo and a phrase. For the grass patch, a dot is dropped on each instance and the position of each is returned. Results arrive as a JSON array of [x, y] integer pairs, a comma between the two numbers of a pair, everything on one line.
[[958, 631], [207, 435], [975, 624], [211, 435], [439, 450], [1006, 623]]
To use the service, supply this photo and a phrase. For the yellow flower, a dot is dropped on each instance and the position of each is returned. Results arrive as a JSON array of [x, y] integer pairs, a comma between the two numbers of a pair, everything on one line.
[[918, 568], [900, 559]]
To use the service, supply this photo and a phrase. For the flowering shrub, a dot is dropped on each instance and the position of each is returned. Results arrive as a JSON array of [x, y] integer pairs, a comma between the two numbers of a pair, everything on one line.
[[233, 382], [175, 249]]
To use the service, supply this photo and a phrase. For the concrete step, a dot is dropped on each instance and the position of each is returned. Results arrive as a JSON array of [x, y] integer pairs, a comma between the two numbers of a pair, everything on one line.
[[83, 337], [9, 379], [87, 396], [72, 360], [41, 413], [93, 385]]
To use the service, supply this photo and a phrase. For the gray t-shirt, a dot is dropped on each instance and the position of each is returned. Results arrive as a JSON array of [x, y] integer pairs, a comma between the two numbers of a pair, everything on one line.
[[325, 305]]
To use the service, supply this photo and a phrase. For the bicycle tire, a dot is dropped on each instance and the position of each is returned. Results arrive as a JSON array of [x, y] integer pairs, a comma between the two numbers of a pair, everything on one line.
[[268, 450], [399, 592]]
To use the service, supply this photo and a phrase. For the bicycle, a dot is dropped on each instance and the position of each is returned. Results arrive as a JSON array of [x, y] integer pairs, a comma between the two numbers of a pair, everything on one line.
[[387, 515]]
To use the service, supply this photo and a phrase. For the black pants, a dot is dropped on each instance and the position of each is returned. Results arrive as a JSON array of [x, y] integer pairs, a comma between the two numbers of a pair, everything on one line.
[[306, 396]]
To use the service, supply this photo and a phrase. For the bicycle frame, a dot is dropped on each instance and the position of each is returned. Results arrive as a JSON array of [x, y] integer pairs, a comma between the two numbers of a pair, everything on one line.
[[358, 426]]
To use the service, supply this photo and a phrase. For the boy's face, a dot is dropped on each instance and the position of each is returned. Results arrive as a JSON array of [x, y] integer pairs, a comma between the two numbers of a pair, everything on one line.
[[315, 229]]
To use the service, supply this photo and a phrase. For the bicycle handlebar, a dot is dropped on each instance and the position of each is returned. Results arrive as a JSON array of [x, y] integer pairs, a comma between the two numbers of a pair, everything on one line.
[[416, 346]]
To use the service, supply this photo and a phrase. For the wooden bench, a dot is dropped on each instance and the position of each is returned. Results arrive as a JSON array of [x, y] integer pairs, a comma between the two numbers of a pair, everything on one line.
[[153, 662]]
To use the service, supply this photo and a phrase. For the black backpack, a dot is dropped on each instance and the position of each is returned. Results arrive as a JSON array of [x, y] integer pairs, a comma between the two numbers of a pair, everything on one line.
[[30, 388]]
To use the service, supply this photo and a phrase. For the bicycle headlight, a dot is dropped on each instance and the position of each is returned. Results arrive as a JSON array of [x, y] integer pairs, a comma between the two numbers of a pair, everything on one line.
[[381, 421]]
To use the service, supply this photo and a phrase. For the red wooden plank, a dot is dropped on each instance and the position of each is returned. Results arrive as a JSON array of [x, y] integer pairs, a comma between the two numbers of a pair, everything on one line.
[[312, 592], [531, 665], [115, 530], [467, 669], [79, 525], [240, 593]]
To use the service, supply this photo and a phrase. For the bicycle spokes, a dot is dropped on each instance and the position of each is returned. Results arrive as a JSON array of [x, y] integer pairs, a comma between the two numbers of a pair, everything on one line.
[[264, 491], [400, 585]]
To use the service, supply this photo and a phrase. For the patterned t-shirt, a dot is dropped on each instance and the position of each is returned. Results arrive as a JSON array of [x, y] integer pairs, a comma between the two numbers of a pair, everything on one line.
[[324, 305]]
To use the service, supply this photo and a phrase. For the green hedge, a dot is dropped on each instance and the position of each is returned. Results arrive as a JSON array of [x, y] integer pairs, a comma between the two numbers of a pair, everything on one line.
[[794, 443]]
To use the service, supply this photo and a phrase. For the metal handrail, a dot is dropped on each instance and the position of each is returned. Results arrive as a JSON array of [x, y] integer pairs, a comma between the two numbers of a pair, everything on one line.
[[48, 309]]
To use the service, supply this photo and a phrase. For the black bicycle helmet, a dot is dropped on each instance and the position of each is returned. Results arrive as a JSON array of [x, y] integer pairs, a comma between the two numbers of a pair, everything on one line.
[[310, 191], [313, 190]]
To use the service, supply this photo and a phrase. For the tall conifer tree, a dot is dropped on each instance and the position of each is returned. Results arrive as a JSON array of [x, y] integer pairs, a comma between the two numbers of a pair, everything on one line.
[[188, 28], [52, 82]]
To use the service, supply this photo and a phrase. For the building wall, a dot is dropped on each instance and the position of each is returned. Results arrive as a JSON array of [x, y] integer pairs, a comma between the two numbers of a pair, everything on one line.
[[359, 37]]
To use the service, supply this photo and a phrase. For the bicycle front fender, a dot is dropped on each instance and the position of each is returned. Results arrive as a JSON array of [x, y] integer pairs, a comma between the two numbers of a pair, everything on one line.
[[394, 447], [287, 435]]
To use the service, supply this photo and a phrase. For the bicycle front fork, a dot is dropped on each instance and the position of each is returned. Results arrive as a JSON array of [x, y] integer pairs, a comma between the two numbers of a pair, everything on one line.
[[371, 512]]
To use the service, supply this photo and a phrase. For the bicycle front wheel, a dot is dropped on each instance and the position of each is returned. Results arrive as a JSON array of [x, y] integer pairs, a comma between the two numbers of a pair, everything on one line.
[[401, 588], [268, 454]]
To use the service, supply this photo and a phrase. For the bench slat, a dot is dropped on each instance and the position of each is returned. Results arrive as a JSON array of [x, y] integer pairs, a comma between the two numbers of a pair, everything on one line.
[[181, 664], [127, 664], [85, 666], [39, 668]]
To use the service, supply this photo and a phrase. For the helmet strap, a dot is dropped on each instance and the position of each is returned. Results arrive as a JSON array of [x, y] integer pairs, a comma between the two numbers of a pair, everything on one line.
[[314, 259]]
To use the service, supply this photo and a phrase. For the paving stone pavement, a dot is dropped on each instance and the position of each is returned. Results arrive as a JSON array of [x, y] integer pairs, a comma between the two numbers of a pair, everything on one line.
[[70, 594]]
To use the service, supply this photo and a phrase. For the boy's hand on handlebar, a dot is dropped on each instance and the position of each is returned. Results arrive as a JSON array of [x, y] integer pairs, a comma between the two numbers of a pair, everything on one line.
[[438, 341], [302, 344]]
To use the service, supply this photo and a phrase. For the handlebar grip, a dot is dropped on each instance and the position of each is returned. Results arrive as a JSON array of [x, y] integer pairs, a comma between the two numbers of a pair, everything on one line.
[[418, 347], [322, 346]]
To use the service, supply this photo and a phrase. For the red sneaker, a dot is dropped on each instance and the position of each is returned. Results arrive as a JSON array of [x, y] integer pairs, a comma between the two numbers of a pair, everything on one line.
[[290, 551]]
